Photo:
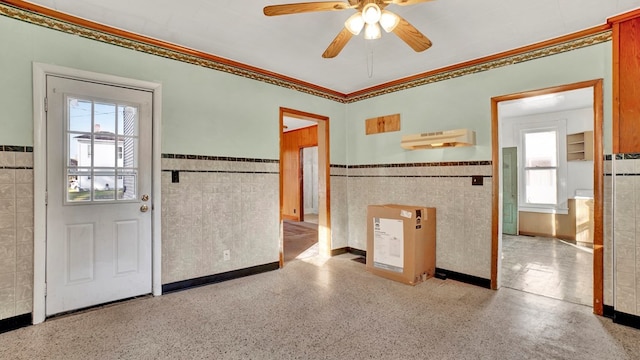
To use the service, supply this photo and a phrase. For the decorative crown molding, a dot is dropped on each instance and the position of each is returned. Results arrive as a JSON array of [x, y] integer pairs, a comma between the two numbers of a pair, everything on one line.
[[480, 66], [169, 51], [166, 52]]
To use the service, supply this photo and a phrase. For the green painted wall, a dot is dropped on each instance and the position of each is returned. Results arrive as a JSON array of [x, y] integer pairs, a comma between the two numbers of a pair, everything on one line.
[[204, 112], [213, 113], [465, 102]]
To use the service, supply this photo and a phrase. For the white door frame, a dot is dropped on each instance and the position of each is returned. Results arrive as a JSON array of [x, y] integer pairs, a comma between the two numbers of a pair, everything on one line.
[[40, 71]]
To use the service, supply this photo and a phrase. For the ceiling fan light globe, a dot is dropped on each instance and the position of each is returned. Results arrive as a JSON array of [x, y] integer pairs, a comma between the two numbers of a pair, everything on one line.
[[371, 13], [389, 20], [355, 23], [372, 31]]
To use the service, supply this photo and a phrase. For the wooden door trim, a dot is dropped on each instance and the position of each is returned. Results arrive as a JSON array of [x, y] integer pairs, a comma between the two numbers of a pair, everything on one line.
[[624, 17], [598, 182], [324, 198], [624, 35], [616, 88]]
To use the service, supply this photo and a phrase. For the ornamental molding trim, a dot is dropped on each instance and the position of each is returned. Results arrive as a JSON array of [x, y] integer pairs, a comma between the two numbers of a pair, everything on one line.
[[73, 29], [489, 65], [273, 79]]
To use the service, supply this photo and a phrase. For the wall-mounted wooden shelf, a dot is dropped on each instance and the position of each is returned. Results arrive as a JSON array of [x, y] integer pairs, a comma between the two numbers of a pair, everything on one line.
[[580, 146]]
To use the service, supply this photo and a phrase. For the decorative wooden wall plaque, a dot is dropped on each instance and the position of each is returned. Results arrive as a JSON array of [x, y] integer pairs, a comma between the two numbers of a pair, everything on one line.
[[382, 124]]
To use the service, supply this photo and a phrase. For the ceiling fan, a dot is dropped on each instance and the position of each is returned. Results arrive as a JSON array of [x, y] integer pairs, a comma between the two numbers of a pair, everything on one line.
[[371, 16]]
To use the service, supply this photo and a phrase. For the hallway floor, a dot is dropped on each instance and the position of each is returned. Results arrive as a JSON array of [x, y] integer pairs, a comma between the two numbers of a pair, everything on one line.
[[300, 240], [548, 267], [329, 309], [311, 218]]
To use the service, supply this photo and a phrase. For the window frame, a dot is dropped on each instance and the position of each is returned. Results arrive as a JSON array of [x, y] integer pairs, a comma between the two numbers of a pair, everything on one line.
[[560, 127]]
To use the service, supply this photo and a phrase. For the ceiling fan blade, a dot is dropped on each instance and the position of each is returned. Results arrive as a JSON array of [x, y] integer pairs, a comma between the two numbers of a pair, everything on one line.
[[298, 8], [338, 44], [405, 2], [412, 36]]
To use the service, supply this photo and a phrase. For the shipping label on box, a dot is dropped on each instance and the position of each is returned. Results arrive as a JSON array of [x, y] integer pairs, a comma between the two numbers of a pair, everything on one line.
[[388, 244]]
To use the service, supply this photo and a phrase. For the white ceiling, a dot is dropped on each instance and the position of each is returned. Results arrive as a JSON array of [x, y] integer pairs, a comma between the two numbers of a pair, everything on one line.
[[295, 124], [292, 45], [561, 101]]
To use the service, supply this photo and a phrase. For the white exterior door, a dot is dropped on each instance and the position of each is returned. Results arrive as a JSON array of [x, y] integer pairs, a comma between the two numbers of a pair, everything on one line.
[[98, 194]]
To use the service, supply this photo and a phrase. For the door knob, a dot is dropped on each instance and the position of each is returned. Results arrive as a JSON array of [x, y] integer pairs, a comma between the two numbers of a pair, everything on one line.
[[144, 208]]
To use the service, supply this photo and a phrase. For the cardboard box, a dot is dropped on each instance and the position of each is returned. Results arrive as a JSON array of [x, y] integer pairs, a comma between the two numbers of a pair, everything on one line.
[[401, 242]]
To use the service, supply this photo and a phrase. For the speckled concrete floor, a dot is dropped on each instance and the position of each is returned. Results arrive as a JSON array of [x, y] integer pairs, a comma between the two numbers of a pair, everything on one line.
[[329, 309]]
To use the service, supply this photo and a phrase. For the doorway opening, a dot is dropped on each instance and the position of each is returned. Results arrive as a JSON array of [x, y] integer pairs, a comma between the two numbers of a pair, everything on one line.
[[300, 188], [547, 201], [304, 185]]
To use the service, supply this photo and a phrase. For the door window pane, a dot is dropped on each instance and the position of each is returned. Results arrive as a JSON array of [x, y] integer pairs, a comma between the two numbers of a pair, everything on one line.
[[74, 192], [79, 114], [104, 150], [127, 187], [104, 118], [79, 188], [76, 146], [129, 153], [127, 121], [101, 146], [104, 188]]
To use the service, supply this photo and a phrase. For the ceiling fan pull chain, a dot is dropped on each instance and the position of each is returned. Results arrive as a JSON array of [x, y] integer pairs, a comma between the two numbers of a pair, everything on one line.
[[369, 59]]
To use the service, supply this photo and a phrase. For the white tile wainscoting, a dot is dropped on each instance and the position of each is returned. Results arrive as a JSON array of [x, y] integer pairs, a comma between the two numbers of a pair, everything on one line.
[[463, 225], [223, 203], [16, 231], [339, 207], [607, 239], [218, 204], [230, 203], [626, 232]]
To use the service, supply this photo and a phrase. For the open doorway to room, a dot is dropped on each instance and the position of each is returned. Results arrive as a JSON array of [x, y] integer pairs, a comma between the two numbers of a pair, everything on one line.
[[299, 184], [547, 156], [304, 170]]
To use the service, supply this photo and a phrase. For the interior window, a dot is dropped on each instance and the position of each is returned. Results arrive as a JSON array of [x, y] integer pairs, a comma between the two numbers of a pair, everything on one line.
[[543, 174], [541, 167]]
